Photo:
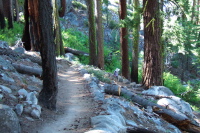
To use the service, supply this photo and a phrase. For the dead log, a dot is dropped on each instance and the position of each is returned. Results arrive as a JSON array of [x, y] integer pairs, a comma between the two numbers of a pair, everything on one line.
[[16, 56], [181, 121], [28, 70], [75, 52]]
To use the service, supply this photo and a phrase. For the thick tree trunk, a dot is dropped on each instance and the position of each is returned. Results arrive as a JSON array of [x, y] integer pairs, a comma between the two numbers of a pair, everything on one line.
[[124, 41], [178, 120], [136, 37], [152, 69], [75, 52], [26, 35], [100, 35], [28, 70], [2, 19], [48, 95], [92, 34]]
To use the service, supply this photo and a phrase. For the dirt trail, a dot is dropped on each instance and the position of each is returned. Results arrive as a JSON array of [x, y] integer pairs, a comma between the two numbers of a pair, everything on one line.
[[75, 106]]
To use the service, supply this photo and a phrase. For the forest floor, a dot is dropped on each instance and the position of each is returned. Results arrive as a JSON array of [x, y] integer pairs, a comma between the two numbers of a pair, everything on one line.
[[75, 106]]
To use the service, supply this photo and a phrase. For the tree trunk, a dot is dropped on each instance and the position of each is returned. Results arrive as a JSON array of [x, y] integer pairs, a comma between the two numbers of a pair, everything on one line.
[[8, 12], [26, 35], [100, 35], [152, 69], [124, 41], [16, 12], [136, 37], [92, 34], [2, 19], [34, 25], [48, 95], [57, 31], [62, 9]]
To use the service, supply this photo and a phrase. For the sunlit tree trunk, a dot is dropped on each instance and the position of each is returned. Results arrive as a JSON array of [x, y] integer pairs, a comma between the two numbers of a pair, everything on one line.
[[152, 69], [100, 35], [57, 30], [92, 34], [124, 41], [48, 95], [136, 29]]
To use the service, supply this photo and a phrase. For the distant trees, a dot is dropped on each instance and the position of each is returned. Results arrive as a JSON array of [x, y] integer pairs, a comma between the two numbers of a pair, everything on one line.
[[152, 69], [124, 40]]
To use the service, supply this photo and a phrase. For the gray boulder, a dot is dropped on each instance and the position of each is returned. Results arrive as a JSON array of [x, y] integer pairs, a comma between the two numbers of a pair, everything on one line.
[[6, 65], [6, 79], [9, 121], [32, 98], [5, 89], [159, 90], [19, 109], [4, 44], [20, 50]]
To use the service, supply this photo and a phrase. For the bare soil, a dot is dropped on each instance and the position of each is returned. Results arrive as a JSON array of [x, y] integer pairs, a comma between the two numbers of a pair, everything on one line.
[[75, 106]]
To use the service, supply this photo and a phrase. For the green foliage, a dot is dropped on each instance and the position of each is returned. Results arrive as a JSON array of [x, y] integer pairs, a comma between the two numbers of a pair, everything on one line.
[[75, 39], [113, 24], [12, 35], [101, 75], [79, 5], [190, 93]]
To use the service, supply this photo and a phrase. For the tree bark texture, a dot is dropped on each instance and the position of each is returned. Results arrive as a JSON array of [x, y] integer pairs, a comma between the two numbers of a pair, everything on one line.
[[62, 9], [48, 95], [2, 19], [8, 12], [100, 32], [26, 35], [124, 41], [152, 69], [178, 120], [57, 30], [136, 37], [92, 34], [16, 10], [34, 24]]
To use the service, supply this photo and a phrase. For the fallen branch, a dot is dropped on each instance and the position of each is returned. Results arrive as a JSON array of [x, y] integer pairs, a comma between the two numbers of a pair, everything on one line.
[[181, 121], [75, 52], [28, 70]]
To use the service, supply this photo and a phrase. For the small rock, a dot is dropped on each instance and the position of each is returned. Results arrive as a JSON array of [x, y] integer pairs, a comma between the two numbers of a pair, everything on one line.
[[33, 88], [19, 109], [23, 92], [29, 118], [120, 79], [126, 81], [35, 113], [1, 96], [31, 97], [5, 89], [4, 44], [20, 50], [27, 110], [6, 78]]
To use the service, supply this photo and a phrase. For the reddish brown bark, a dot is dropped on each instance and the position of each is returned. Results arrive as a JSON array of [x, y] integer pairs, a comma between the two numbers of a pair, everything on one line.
[[152, 69], [124, 41]]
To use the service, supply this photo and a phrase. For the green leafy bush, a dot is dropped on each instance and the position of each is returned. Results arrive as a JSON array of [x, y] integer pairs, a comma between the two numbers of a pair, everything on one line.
[[12, 35], [79, 5]]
